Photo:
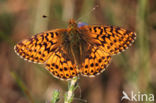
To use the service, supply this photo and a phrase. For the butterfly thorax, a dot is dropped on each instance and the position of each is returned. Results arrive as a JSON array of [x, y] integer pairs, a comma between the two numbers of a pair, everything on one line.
[[73, 43]]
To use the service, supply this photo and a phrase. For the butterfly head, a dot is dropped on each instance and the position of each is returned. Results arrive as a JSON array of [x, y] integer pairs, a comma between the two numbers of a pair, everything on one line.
[[72, 24]]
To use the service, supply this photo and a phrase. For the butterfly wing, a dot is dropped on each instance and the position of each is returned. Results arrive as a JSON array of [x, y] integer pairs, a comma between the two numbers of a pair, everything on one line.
[[46, 48], [111, 39], [95, 62], [39, 47], [61, 66]]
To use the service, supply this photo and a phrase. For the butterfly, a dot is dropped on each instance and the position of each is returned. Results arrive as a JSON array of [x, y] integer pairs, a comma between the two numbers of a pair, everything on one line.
[[85, 49]]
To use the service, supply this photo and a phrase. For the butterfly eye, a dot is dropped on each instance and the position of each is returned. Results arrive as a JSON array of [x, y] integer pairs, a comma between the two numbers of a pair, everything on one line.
[[72, 24]]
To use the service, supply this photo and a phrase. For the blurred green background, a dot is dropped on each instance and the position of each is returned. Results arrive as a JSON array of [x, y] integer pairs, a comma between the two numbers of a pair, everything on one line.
[[133, 70]]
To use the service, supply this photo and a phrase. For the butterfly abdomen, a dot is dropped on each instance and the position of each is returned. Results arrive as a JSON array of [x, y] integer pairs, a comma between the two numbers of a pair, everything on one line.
[[75, 46]]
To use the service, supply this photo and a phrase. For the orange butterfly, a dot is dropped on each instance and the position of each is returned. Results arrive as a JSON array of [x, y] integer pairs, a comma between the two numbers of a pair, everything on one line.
[[85, 50]]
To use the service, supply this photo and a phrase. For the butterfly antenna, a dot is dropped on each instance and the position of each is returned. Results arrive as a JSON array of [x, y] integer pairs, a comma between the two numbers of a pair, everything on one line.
[[96, 6]]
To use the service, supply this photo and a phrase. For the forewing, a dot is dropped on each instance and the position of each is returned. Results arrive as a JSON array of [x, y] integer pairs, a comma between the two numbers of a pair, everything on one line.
[[39, 47], [95, 62], [111, 39]]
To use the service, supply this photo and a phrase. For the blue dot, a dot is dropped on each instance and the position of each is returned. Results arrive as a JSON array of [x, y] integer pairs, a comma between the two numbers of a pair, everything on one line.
[[80, 24]]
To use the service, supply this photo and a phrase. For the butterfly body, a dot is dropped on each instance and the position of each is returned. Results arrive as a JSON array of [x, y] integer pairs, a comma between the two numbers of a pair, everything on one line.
[[74, 44], [85, 50]]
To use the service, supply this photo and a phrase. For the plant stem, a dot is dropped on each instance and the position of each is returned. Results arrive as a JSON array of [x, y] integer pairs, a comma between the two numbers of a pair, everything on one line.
[[55, 97], [71, 88]]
